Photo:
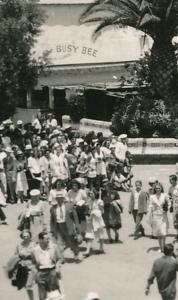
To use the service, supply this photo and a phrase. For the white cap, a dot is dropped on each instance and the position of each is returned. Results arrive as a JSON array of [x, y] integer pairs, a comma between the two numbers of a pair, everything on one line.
[[28, 147], [19, 152], [19, 122], [34, 192], [79, 140], [92, 296], [44, 143], [54, 295], [152, 179], [9, 150], [122, 136], [56, 145], [55, 132], [1, 127]]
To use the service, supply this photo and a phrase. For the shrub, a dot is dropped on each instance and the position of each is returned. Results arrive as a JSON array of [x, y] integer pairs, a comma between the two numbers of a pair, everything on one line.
[[76, 107], [141, 113]]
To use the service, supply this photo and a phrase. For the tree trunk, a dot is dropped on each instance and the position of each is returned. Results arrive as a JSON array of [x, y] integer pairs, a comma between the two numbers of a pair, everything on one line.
[[163, 69]]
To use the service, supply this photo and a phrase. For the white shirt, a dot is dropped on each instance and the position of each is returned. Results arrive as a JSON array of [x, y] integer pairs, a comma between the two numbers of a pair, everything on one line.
[[136, 196], [34, 165], [44, 165], [52, 123], [60, 213], [120, 150], [2, 156], [36, 124], [45, 258]]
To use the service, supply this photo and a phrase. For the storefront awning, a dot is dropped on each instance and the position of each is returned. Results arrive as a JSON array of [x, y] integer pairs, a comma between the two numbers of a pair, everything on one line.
[[100, 74]]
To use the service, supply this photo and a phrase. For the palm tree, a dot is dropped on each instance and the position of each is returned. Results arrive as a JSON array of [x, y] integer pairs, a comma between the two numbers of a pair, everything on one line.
[[156, 18]]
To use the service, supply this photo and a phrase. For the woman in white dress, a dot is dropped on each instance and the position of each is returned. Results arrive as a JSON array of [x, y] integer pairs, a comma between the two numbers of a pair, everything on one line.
[[35, 211], [94, 224], [158, 208], [21, 181]]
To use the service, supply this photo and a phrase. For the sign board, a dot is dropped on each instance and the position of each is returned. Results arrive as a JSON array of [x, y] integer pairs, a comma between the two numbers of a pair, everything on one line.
[[74, 45]]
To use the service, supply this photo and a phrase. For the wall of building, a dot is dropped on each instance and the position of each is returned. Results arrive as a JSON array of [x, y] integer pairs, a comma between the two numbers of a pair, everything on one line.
[[71, 43]]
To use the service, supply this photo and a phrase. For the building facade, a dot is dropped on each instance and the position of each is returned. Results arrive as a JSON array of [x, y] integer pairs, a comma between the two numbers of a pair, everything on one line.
[[75, 59]]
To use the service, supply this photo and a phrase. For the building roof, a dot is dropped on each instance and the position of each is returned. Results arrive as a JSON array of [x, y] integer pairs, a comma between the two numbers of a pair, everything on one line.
[[66, 1]]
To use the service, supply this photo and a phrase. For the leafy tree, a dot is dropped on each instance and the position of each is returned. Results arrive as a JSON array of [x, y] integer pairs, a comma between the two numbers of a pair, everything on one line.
[[20, 23], [158, 19]]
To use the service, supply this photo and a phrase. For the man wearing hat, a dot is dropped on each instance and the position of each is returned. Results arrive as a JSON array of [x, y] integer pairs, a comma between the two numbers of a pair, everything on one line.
[[18, 136], [11, 174], [65, 225], [51, 121], [121, 148]]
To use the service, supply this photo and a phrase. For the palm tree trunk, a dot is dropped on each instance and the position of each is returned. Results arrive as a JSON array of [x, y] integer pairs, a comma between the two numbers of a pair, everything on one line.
[[163, 69]]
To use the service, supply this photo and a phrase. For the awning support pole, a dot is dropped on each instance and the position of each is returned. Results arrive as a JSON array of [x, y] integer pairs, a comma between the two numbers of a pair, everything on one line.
[[51, 98], [29, 99]]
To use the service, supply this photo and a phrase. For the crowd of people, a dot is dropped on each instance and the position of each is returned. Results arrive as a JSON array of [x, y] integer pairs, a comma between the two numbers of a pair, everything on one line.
[[79, 178]]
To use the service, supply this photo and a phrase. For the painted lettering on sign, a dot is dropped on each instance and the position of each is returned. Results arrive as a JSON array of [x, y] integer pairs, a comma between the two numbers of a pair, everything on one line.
[[71, 48]]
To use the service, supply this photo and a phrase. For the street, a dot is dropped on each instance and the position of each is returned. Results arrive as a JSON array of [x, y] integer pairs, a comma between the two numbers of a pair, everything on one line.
[[120, 274]]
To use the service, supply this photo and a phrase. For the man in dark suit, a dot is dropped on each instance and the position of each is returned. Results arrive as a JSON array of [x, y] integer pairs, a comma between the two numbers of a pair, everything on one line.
[[65, 225], [138, 207], [164, 270]]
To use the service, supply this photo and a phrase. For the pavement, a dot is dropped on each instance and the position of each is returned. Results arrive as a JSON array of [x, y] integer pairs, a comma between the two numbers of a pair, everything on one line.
[[120, 274]]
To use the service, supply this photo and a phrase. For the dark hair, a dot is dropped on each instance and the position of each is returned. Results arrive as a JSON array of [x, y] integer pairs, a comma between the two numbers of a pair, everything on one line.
[[168, 249], [75, 182], [54, 185], [25, 230], [173, 177], [42, 235]]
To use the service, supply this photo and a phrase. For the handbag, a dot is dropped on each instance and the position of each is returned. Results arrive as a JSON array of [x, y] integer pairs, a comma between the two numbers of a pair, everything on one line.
[[23, 222], [20, 279], [12, 265]]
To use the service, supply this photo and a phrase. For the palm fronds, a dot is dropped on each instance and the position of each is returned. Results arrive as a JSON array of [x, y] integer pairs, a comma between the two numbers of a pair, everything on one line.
[[151, 16]]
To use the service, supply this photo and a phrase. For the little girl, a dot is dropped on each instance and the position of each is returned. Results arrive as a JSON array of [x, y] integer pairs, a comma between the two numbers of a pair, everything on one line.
[[82, 169], [95, 224]]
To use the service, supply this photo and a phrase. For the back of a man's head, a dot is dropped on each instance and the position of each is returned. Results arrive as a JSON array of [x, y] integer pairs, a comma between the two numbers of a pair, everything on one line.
[[168, 249]]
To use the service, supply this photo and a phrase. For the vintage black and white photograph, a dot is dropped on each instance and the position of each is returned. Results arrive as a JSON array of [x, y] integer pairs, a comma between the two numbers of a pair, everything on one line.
[[88, 149]]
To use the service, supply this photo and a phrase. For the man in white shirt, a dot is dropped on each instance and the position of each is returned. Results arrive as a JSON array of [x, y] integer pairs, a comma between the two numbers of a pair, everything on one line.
[[121, 148], [65, 225], [51, 121], [46, 257]]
